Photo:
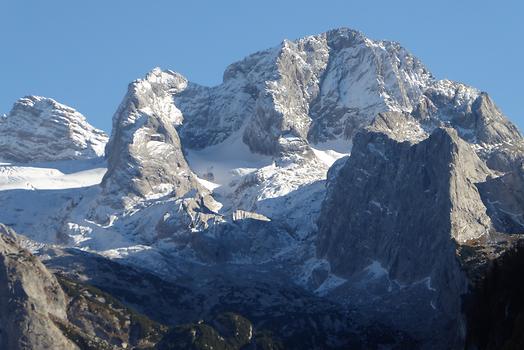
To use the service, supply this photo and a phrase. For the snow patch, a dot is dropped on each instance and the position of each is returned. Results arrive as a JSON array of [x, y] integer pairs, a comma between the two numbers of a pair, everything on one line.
[[376, 270]]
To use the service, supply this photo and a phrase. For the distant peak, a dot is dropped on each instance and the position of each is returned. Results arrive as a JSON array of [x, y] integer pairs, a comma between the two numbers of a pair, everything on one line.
[[167, 78], [41, 129], [344, 31]]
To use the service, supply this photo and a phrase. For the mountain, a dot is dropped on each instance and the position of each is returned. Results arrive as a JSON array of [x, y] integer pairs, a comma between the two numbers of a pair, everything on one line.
[[415, 204], [331, 190], [144, 153], [39, 129], [317, 88]]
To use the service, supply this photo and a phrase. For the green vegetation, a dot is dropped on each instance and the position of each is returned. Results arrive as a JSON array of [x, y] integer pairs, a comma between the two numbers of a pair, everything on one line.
[[119, 323]]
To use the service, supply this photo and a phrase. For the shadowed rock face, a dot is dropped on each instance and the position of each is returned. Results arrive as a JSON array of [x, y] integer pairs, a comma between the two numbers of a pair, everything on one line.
[[41, 129], [30, 300], [495, 306], [393, 200], [145, 158], [405, 207], [504, 198]]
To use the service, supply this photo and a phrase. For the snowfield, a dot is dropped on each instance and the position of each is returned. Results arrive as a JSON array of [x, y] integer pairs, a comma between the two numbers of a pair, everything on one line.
[[52, 175]]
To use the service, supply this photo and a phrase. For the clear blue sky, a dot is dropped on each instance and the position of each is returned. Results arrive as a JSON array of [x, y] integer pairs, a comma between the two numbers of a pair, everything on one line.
[[84, 53]]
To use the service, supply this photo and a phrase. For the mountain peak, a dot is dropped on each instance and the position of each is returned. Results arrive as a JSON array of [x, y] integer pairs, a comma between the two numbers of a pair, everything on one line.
[[145, 158], [41, 129], [170, 80]]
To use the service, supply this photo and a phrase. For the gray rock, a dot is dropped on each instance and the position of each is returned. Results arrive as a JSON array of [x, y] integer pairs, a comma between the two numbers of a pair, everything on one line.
[[400, 209], [317, 88], [400, 126], [41, 129], [31, 300], [144, 154], [399, 192], [477, 120], [504, 198]]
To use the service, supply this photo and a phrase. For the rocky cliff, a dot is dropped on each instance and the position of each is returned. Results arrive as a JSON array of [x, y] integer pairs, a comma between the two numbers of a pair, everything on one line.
[[144, 153], [41, 310], [399, 209], [31, 300]]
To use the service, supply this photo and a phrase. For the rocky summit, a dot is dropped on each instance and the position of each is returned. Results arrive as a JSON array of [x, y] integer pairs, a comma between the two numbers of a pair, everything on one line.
[[41, 129], [330, 193]]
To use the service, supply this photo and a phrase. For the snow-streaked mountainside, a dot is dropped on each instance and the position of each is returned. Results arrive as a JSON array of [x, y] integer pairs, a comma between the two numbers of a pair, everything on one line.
[[325, 161], [41, 129]]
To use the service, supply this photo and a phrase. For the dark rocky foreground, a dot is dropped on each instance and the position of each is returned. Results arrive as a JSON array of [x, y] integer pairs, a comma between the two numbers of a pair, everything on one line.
[[495, 305], [89, 302], [101, 304]]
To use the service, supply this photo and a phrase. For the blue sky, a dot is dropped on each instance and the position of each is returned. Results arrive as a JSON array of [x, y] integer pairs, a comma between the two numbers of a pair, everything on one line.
[[84, 53]]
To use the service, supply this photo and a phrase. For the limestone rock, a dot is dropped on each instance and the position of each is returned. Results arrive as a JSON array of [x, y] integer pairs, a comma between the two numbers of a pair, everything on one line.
[[41, 129], [30, 300], [144, 153]]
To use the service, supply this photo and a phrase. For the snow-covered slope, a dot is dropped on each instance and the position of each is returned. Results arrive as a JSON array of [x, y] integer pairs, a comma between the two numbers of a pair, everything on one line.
[[51, 175], [41, 129]]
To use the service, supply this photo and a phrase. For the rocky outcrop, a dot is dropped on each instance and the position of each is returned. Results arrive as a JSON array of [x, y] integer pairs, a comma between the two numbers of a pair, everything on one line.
[[400, 208], [504, 198], [477, 120], [97, 320], [145, 158], [41, 129], [41, 310], [399, 126], [401, 192], [31, 300]]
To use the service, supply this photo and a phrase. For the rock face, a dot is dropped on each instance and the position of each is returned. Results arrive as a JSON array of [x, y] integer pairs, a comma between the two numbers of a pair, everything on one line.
[[318, 88], [401, 192], [31, 300], [504, 196], [403, 208], [477, 120], [41, 129], [39, 310], [145, 158], [495, 308]]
